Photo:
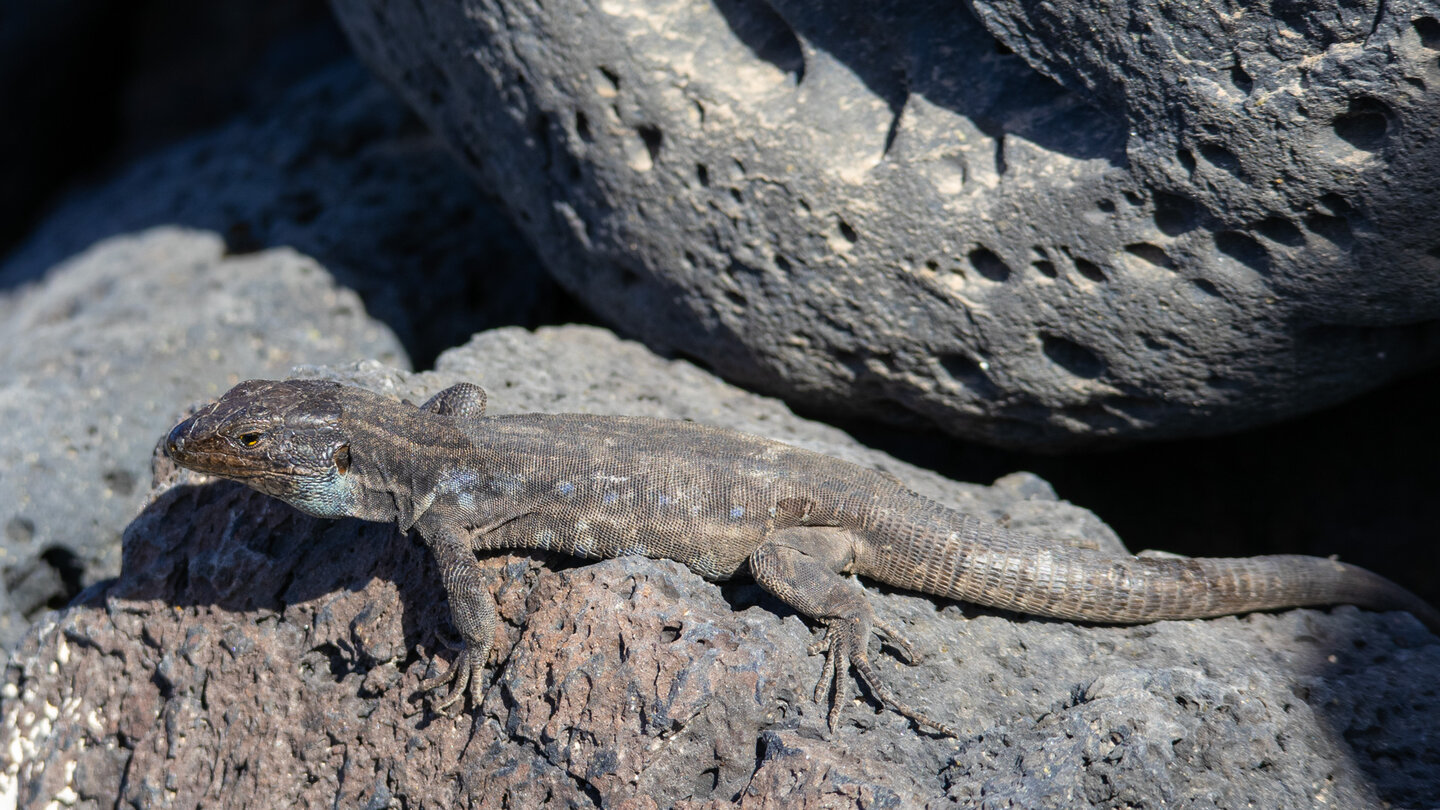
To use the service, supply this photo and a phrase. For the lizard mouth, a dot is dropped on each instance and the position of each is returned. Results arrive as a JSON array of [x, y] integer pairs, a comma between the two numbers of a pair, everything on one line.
[[224, 463]]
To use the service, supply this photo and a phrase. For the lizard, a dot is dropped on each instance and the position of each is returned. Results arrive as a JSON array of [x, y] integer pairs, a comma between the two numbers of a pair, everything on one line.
[[721, 502]]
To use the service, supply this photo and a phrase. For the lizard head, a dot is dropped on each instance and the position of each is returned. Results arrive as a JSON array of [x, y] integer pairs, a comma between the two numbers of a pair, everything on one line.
[[283, 438]]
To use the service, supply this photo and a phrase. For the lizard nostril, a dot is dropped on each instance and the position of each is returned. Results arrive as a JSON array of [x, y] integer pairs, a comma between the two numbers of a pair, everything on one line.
[[175, 442]]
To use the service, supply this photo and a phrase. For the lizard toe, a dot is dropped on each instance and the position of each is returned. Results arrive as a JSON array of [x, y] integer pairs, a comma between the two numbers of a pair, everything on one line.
[[463, 676], [897, 640]]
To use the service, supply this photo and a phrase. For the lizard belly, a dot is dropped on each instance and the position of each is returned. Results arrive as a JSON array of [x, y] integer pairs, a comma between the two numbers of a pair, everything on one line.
[[715, 551]]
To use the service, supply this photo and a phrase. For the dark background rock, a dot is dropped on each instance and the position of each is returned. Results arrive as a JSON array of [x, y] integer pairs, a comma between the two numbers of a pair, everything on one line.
[[86, 84], [880, 209], [337, 169], [250, 655]]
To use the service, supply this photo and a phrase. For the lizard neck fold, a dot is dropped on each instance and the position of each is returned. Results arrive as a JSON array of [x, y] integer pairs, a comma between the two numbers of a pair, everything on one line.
[[400, 460]]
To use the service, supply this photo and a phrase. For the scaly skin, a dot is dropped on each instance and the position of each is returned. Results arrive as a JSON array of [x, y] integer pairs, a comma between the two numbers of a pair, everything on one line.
[[720, 502]]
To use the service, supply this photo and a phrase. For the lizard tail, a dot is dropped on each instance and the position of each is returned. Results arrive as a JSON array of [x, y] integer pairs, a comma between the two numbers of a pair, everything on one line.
[[962, 558]]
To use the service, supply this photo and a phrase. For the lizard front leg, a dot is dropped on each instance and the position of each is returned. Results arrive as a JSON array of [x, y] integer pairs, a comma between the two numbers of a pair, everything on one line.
[[801, 566], [472, 611]]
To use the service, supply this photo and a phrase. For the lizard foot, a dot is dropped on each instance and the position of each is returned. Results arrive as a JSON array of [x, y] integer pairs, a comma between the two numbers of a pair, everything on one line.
[[844, 645], [464, 675]]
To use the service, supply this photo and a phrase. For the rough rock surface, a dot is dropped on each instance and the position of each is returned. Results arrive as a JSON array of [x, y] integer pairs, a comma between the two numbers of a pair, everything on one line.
[[252, 656], [99, 359], [1185, 221]]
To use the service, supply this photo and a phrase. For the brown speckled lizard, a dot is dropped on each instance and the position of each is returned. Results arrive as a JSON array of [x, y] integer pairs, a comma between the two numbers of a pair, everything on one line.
[[718, 501]]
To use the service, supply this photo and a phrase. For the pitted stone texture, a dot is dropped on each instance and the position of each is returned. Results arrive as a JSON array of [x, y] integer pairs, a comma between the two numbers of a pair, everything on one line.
[[880, 209], [251, 656]]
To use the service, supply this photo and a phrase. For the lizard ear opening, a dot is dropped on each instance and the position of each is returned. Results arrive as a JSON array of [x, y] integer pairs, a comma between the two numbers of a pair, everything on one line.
[[342, 459]]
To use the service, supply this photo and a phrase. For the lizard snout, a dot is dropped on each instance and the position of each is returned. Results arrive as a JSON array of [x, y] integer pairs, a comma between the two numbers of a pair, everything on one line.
[[175, 442]]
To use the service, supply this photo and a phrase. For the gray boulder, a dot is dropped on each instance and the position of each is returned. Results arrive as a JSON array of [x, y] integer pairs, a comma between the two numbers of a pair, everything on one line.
[[97, 360], [249, 655], [1110, 223]]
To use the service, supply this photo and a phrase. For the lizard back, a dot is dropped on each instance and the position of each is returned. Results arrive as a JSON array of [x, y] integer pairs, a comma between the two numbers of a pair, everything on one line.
[[703, 496]]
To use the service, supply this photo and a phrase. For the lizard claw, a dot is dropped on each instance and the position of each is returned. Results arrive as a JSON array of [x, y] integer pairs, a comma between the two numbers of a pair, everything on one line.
[[844, 646], [464, 675], [897, 640]]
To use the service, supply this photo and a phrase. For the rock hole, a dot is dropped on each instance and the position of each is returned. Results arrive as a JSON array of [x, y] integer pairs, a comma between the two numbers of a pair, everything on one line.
[[609, 84], [1151, 253], [1332, 203], [1174, 214], [1221, 158], [738, 268], [1429, 30], [120, 482], [1335, 229], [1206, 286], [652, 137], [737, 195], [702, 174], [1280, 229], [1187, 160], [1073, 357], [932, 265], [1243, 248], [1106, 206], [781, 263], [1240, 79], [71, 571], [1045, 267], [988, 264], [582, 127], [846, 232], [737, 299], [1133, 198], [670, 633], [1364, 124], [966, 371], [1090, 270]]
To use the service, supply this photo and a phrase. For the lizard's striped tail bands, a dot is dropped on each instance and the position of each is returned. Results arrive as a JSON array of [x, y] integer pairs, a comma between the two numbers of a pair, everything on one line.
[[962, 558]]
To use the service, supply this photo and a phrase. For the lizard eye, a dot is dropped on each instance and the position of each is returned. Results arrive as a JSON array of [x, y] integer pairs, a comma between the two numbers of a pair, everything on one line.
[[249, 439], [342, 459]]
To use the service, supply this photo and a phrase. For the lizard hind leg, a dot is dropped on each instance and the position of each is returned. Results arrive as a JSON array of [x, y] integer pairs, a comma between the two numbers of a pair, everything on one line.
[[801, 566]]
